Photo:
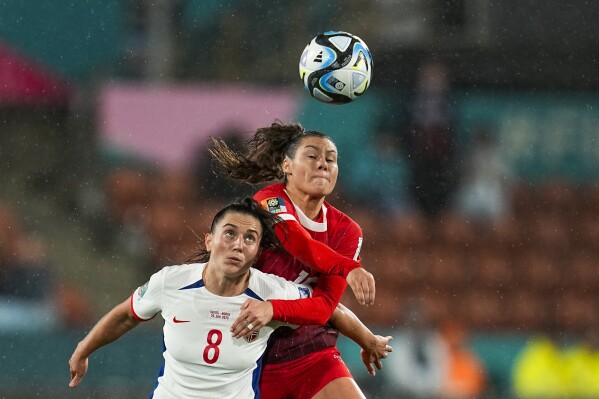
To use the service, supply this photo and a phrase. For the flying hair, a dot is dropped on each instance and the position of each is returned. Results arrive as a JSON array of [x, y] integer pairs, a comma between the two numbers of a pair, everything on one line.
[[261, 158]]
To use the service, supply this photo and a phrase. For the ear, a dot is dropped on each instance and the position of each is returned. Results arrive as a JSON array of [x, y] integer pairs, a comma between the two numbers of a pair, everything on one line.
[[286, 166], [208, 241]]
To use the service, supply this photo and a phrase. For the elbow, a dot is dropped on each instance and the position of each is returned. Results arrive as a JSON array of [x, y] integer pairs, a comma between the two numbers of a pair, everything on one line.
[[324, 317], [316, 316]]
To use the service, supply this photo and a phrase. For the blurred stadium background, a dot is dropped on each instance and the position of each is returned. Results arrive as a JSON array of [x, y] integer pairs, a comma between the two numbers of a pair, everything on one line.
[[105, 110]]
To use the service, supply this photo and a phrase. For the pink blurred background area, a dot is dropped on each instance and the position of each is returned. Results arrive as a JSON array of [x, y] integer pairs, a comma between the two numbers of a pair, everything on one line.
[[25, 81], [167, 124]]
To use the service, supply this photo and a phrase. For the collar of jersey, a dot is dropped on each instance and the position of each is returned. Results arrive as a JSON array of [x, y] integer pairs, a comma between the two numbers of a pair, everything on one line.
[[200, 284], [308, 223]]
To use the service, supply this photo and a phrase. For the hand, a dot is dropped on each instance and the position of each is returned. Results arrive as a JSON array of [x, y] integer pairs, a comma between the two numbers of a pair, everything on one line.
[[255, 314], [78, 366], [377, 350], [362, 284]]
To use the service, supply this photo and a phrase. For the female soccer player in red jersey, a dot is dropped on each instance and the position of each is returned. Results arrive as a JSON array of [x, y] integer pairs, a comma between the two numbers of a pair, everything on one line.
[[322, 245]]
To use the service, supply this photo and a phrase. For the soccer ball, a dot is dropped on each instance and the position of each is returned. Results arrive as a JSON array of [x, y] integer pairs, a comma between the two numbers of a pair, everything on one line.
[[336, 67]]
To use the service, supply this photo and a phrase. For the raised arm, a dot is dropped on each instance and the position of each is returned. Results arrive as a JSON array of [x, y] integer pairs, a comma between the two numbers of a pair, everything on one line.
[[110, 327], [314, 310], [329, 289], [318, 256], [374, 347]]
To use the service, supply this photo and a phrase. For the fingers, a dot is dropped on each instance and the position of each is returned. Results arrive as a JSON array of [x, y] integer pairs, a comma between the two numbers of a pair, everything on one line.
[[78, 368], [240, 330], [379, 360], [363, 286], [238, 326], [253, 316], [383, 349], [359, 293], [367, 360], [244, 328], [374, 355], [388, 347], [370, 369], [371, 288], [355, 279], [75, 379]]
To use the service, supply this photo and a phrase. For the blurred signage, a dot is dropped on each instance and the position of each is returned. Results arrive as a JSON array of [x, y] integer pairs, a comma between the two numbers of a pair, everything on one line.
[[167, 125]]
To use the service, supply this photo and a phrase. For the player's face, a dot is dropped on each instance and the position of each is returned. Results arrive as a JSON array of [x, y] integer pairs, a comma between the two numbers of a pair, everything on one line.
[[234, 244], [313, 170]]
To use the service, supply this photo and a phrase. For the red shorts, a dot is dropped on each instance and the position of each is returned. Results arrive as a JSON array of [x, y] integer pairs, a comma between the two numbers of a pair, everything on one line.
[[302, 378]]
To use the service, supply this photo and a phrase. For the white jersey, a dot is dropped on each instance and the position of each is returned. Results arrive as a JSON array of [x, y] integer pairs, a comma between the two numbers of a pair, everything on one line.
[[201, 358]]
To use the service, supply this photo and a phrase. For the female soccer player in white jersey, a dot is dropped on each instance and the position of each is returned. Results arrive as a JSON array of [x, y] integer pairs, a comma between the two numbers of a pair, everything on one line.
[[320, 242], [198, 302]]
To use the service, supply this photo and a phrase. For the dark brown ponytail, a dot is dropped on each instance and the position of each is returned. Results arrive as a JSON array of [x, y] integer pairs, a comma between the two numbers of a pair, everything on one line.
[[261, 159]]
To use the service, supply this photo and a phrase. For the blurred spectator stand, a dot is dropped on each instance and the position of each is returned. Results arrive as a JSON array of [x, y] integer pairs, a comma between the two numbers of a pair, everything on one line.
[[31, 298]]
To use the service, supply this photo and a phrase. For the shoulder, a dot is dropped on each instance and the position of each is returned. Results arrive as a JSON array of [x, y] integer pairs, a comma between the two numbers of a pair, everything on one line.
[[260, 282], [270, 286], [339, 219], [271, 191], [274, 199], [179, 276]]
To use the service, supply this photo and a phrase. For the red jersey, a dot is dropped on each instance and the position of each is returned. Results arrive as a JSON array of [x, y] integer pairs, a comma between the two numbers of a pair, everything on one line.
[[339, 233]]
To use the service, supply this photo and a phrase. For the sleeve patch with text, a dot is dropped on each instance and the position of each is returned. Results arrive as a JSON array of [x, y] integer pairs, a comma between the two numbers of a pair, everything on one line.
[[274, 205]]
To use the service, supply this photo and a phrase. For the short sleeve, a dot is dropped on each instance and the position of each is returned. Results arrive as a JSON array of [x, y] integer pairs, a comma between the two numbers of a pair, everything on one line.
[[291, 291], [299, 291], [146, 301], [283, 289]]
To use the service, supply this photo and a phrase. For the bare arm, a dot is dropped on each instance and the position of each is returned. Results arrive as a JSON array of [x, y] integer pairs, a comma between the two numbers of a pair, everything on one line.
[[110, 327], [374, 347]]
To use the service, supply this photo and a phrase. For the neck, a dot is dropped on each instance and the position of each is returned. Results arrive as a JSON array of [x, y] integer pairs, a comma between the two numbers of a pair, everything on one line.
[[223, 285], [311, 206]]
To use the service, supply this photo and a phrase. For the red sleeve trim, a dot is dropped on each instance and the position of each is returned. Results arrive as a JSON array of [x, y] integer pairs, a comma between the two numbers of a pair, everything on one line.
[[133, 310]]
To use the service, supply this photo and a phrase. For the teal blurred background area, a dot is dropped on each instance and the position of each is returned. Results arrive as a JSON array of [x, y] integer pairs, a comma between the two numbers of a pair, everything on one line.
[[36, 365], [471, 164]]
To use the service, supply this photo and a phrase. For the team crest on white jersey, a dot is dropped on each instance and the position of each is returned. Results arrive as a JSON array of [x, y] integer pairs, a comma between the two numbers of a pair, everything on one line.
[[252, 337], [303, 292], [274, 205]]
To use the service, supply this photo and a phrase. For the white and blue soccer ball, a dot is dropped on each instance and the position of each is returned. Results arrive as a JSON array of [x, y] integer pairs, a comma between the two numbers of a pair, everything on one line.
[[336, 67]]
